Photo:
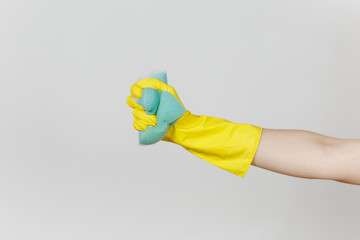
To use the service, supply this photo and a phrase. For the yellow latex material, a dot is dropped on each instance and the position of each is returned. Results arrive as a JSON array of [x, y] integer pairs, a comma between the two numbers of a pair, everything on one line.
[[230, 146]]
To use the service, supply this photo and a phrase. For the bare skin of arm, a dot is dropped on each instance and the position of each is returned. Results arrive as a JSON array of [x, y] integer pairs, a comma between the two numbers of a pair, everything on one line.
[[306, 154]]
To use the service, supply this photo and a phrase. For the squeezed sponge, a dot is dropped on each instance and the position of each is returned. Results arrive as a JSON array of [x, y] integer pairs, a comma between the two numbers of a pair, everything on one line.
[[162, 104]]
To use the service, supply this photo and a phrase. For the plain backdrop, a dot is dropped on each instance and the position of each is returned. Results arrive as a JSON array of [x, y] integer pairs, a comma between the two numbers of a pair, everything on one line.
[[70, 163]]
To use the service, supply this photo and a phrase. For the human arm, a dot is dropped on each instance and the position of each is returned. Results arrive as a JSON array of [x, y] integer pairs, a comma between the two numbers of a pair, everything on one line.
[[234, 146], [306, 154]]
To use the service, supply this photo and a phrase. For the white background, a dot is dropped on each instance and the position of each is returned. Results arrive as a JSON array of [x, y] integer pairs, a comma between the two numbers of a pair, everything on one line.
[[70, 165]]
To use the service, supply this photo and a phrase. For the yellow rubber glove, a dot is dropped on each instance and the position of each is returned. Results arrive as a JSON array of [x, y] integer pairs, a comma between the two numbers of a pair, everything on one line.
[[230, 146]]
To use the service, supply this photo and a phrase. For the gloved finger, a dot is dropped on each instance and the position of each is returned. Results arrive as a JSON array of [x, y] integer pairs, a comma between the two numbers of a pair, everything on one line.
[[155, 83], [136, 88], [141, 115], [143, 120], [130, 101], [141, 125]]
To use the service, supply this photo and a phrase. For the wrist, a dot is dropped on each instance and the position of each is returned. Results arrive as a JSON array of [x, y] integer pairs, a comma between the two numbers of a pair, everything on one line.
[[186, 121]]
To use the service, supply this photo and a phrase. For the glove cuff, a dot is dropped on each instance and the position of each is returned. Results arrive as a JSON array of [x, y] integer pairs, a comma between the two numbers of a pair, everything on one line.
[[230, 146]]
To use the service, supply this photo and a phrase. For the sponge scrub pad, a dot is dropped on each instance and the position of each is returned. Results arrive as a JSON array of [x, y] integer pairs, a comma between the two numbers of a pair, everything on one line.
[[162, 104]]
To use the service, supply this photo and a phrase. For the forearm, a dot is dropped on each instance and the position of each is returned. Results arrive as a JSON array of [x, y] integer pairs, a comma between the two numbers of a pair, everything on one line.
[[307, 154]]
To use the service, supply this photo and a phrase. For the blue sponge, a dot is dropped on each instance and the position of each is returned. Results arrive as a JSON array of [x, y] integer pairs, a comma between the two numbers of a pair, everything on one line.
[[162, 104]]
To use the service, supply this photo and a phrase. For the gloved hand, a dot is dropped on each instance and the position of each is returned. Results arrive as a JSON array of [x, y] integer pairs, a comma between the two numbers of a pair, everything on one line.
[[167, 108], [230, 146]]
